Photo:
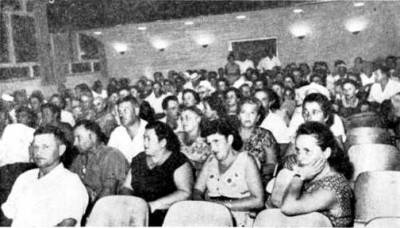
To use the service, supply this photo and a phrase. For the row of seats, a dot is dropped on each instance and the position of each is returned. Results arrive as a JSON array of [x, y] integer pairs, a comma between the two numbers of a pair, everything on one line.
[[377, 195]]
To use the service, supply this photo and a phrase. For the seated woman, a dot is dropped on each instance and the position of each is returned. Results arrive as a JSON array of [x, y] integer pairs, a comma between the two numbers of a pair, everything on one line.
[[229, 177], [258, 141], [350, 104], [193, 145], [317, 107], [320, 183], [161, 175]]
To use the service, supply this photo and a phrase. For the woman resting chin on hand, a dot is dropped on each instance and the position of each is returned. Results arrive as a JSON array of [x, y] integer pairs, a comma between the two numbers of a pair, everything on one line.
[[320, 183]]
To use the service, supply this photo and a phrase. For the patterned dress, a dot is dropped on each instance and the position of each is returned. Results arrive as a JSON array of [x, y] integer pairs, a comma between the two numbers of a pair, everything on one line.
[[257, 144], [197, 152], [343, 217]]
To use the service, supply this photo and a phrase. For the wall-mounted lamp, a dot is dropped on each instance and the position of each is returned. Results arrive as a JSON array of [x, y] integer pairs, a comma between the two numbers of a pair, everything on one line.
[[300, 31], [121, 48], [203, 39], [356, 25], [159, 43]]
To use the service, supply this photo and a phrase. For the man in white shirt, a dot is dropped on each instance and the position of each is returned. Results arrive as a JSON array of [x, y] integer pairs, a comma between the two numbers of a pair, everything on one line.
[[384, 87], [244, 63], [268, 62], [367, 74], [17, 137], [156, 97], [128, 138], [50, 195], [273, 122]]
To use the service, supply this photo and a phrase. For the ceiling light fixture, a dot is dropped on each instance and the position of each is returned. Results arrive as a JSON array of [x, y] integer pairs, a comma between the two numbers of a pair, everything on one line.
[[358, 4], [298, 11], [97, 33], [189, 22], [142, 28], [241, 17]]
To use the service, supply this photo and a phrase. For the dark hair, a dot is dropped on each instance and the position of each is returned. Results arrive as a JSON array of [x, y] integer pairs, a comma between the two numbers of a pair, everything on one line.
[[53, 108], [166, 100], [351, 81], [38, 95], [223, 127], [260, 109], [83, 87], [93, 127], [274, 101], [217, 104], [192, 109], [97, 85], [195, 95], [338, 62], [56, 95], [163, 131], [339, 160], [130, 99], [50, 129], [146, 112], [235, 90], [324, 103], [32, 117]]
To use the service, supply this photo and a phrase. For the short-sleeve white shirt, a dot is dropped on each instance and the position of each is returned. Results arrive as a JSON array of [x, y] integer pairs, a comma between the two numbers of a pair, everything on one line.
[[121, 140], [14, 144], [275, 123], [244, 65], [376, 93], [46, 201], [267, 64]]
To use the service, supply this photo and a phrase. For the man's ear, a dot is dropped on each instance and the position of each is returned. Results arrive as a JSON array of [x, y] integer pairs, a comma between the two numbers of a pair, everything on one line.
[[61, 149]]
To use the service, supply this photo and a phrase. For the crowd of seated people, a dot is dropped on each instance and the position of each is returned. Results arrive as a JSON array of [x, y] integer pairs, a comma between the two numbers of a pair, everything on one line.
[[219, 136]]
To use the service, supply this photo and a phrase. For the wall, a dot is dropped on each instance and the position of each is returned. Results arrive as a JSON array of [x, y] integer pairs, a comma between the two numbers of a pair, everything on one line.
[[328, 40]]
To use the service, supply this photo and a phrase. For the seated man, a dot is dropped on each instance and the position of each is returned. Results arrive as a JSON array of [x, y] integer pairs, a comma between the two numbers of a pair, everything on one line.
[[50, 195], [101, 168]]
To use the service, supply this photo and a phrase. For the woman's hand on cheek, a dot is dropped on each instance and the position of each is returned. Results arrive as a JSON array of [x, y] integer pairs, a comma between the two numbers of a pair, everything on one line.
[[308, 172]]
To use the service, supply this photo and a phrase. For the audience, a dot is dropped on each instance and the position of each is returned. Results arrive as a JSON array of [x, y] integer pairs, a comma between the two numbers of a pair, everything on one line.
[[239, 123]]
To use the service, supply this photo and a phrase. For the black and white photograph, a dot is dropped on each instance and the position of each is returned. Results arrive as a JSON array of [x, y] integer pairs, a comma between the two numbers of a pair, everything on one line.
[[207, 113]]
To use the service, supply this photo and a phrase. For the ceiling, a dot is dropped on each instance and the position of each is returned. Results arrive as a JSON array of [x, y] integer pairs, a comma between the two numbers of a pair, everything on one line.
[[64, 15]]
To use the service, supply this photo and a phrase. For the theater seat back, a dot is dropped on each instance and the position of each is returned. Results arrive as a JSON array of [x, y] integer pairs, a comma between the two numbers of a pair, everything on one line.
[[387, 222], [275, 218], [119, 211], [377, 194], [198, 213], [367, 135], [373, 157]]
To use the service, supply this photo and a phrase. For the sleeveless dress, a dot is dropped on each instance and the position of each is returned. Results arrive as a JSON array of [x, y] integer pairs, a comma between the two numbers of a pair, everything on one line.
[[343, 217], [152, 184], [230, 184]]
